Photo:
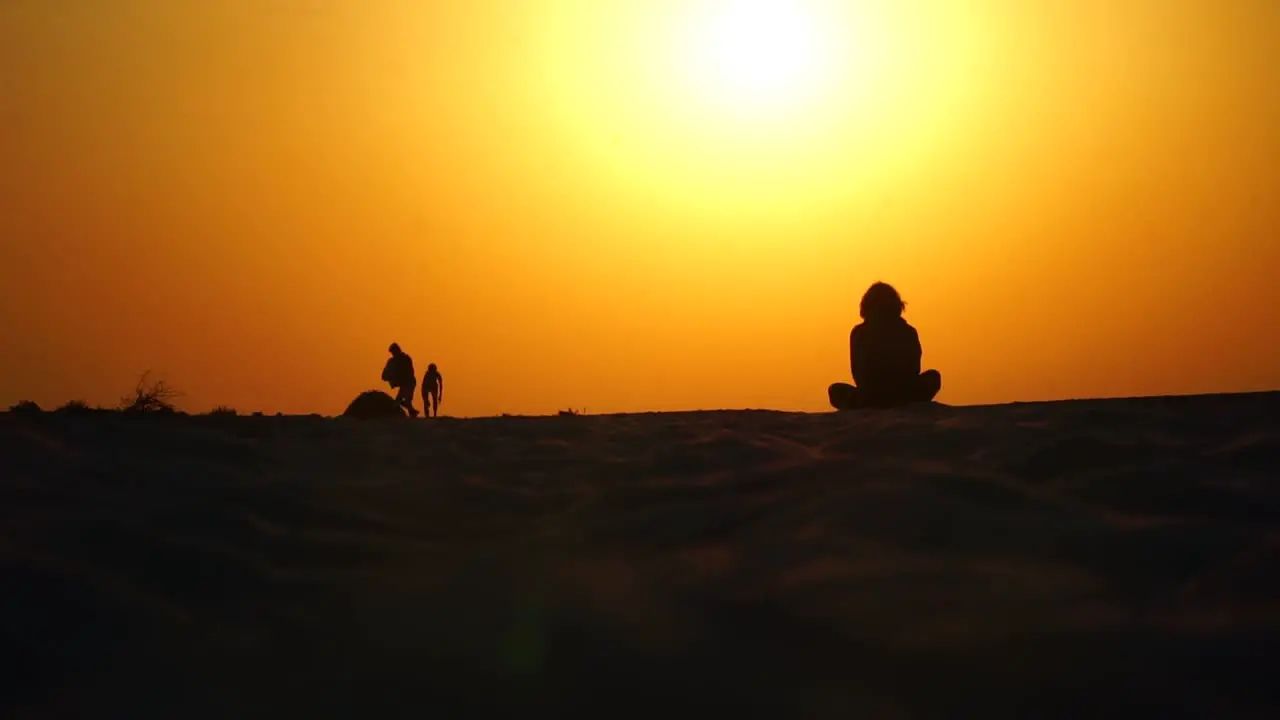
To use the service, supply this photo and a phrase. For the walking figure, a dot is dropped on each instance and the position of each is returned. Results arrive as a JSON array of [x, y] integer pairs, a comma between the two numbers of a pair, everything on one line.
[[432, 391], [400, 375]]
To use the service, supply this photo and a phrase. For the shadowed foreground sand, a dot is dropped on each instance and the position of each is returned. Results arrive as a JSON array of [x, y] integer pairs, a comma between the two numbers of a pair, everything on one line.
[[1038, 560]]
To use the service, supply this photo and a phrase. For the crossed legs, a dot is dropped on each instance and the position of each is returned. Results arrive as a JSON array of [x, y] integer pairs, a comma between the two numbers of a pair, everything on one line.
[[844, 396]]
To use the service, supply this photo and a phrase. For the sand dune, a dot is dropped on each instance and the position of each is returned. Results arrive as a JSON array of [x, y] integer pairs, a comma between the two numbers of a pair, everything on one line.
[[1107, 557]]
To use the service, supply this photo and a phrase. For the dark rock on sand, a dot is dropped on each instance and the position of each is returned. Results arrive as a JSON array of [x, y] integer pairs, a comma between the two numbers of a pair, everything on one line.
[[373, 405]]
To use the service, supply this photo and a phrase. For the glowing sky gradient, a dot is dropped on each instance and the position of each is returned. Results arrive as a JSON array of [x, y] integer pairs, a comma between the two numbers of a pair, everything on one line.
[[546, 197]]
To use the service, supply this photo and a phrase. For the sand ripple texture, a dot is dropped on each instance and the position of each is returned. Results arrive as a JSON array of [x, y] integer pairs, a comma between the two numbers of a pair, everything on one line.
[[1040, 560]]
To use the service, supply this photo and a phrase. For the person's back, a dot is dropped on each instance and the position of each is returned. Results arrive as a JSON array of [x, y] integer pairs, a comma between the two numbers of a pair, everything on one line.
[[884, 357]]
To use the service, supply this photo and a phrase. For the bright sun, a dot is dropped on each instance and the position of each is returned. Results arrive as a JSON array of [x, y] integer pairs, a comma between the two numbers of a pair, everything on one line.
[[760, 53]]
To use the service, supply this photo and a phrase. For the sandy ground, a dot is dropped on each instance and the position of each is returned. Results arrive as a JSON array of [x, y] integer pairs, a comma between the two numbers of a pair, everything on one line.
[[1098, 558]]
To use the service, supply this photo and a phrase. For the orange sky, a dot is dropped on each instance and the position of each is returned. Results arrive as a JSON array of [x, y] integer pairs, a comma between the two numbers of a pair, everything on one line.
[[254, 197]]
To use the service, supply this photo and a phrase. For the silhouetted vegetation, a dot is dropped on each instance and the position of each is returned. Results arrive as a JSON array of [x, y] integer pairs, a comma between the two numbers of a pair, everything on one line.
[[150, 397], [25, 406], [75, 407], [224, 410]]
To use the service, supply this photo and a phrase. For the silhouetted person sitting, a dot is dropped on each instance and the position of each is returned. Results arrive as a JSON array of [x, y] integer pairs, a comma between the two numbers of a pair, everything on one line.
[[432, 391], [884, 356], [399, 373]]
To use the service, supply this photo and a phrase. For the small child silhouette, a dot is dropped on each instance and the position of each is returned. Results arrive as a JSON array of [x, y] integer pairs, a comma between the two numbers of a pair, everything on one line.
[[432, 391], [884, 357]]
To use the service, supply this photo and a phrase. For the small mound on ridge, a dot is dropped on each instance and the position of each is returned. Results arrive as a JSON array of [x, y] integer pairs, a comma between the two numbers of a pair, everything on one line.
[[373, 405]]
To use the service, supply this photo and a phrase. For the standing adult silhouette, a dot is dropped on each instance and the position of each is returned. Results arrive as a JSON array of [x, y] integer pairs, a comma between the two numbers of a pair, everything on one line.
[[399, 373]]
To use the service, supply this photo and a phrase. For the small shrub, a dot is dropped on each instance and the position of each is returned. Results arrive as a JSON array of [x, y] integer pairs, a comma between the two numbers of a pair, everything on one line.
[[150, 397], [25, 406], [224, 411], [75, 407]]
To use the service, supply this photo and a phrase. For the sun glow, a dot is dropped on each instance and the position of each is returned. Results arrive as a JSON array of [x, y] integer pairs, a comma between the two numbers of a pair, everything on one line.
[[729, 110], [761, 53]]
